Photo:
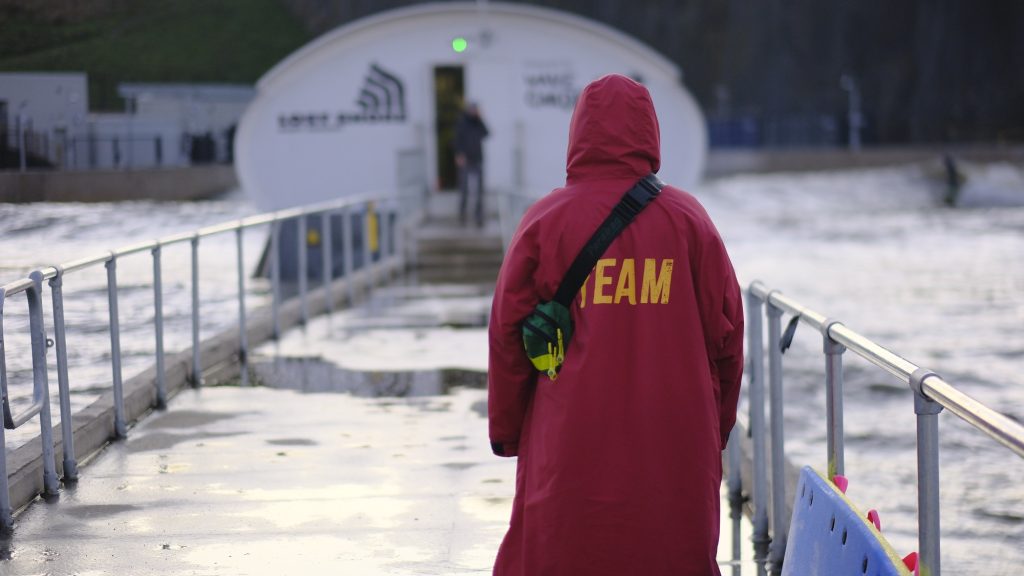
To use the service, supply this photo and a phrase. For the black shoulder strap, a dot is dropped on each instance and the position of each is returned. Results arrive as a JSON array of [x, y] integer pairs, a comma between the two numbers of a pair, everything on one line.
[[633, 201]]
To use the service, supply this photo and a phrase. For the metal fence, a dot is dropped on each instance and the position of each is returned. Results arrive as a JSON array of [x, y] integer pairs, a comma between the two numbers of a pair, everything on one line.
[[21, 149], [931, 395], [793, 131], [91, 152], [390, 252], [24, 149]]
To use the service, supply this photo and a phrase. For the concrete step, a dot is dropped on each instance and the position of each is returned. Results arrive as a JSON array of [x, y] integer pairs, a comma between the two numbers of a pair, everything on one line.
[[449, 275], [450, 252], [463, 259], [469, 244]]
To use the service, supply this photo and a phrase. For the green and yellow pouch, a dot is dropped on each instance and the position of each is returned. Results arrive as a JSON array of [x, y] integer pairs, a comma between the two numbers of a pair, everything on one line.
[[546, 335], [548, 330]]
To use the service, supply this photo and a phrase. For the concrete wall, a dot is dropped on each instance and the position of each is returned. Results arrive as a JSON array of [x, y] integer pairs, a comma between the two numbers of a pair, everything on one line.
[[191, 183]]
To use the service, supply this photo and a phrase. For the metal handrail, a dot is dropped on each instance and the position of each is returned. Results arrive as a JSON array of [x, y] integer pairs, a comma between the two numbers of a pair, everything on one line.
[[32, 287], [22, 284], [995, 424], [931, 395]]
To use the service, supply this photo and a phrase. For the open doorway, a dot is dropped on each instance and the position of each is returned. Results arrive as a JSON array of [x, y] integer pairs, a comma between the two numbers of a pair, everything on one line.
[[448, 98]]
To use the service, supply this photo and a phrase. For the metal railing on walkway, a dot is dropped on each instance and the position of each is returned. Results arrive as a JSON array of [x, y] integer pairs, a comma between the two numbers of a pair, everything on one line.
[[931, 395], [386, 215], [511, 207]]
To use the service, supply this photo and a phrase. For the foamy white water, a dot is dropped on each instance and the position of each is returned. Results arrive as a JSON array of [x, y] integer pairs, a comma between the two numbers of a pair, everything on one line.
[[878, 250], [46, 234]]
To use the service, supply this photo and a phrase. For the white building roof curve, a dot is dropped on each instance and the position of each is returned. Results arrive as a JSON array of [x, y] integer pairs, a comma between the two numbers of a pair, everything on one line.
[[356, 110], [417, 11]]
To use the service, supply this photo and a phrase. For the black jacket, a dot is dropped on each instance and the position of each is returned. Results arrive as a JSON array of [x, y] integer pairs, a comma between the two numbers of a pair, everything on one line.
[[470, 132]]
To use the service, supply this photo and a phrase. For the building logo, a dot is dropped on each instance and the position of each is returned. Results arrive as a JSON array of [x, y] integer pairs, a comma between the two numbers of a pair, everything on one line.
[[381, 100], [383, 95]]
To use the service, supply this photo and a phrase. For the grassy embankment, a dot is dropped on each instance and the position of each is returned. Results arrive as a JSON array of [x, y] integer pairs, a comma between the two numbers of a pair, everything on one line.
[[218, 41]]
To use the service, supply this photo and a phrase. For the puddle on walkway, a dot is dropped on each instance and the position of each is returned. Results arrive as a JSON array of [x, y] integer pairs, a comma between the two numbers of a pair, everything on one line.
[[319, 375], [401, 341]]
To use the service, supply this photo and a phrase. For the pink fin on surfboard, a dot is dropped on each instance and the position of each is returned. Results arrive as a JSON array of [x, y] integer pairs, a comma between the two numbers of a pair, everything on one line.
[[875, 519], [911, 562], [841, 482]]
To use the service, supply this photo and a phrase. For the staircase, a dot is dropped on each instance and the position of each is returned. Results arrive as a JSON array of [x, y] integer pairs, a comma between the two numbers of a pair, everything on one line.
[[450, 253]]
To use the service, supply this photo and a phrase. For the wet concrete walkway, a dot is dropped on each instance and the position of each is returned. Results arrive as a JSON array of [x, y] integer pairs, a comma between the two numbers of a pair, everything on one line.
[[264, 481]]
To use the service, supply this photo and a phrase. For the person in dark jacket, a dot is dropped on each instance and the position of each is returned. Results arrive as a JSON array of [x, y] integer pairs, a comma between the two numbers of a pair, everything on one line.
[[619, 459], [470, 132]]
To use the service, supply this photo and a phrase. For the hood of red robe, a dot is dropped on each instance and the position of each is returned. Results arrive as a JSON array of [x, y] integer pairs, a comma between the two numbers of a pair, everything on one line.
[[613, 133]]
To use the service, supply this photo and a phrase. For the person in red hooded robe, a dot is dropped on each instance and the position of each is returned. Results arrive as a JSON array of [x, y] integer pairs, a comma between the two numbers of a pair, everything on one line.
[[619, 464]]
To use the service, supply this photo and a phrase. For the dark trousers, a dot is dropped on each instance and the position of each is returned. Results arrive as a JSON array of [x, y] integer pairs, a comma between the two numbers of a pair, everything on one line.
[[471, 183]]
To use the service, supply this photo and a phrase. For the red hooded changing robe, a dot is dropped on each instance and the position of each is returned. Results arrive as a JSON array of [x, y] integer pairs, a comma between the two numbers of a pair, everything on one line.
[[619, 458]]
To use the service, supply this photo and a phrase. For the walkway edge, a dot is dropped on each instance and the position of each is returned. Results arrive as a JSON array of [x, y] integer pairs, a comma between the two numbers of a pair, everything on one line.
[[93, 426]]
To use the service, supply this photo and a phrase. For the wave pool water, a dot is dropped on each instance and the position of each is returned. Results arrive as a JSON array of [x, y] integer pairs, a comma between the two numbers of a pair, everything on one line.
[[943, 287]]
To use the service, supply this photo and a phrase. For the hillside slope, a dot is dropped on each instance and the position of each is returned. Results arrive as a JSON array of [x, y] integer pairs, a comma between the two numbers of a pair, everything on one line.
[[222, 41]]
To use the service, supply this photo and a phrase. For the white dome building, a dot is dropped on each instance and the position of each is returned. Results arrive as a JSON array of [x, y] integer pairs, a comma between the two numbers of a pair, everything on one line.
[[370, 107]]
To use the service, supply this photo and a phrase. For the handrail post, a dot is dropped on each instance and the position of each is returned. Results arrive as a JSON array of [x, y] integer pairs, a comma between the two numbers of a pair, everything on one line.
[[197, 365], [348, 253], [833, 400], [327, 259], [51, 485], [394, 237], [388, 230], [275, 276], [158, 320], [60, 340], [120, 429], [401, 241], [928, 526], [6, 512], [384, 227], [756, 345], [300, 243], [367, 275], [735, 483], [382, 245], [779, 523], [243, 337]]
